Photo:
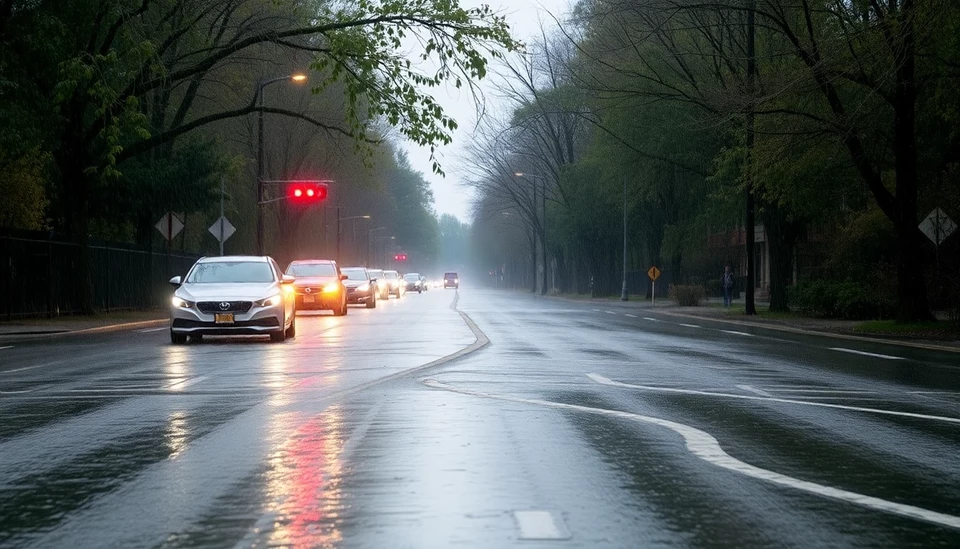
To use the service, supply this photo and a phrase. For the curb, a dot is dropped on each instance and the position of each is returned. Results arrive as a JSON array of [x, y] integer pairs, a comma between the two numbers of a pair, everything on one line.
[[803, 331], [109, 328]]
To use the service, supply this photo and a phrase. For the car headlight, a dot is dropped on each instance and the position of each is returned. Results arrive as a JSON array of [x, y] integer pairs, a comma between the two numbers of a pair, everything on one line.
[[270, 301], [363, 287], [181, 303], [331, 288]]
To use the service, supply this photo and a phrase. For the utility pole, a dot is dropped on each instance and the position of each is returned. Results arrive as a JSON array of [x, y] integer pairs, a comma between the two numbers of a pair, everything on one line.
[[623, 291], [222, 223], [543, 240], [750, 221]]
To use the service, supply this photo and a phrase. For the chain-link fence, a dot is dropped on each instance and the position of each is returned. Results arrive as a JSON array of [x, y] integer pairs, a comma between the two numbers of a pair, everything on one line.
[[38, 276]]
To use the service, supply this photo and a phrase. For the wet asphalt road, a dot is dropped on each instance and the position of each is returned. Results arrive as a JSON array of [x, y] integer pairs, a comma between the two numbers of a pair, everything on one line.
[[577, 425]]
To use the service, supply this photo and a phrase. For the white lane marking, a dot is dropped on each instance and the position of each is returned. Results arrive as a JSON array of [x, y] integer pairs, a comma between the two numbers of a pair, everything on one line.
[[21, 369], [651, 319], [596, 310], [934, 393], [837, 391], [690, 325], [540, 525], [706, 447], [754, 390], [874, 355], [630, 315], [6, 347], [185, 383], [147, 331], [610, 312], [734, 332], [606, 381]]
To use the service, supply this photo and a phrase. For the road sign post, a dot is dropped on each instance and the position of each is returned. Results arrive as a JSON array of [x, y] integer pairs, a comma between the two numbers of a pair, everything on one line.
[[654, 274]]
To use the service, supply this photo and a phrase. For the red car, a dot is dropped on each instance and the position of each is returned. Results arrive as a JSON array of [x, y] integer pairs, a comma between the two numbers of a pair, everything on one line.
[[319, 285]]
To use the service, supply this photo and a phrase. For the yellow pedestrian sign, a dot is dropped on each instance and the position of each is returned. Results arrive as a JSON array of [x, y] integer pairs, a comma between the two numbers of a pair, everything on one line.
[[653, 273]]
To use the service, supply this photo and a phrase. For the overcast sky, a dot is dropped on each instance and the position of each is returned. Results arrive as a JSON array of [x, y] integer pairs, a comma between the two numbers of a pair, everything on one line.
[[524, 17]]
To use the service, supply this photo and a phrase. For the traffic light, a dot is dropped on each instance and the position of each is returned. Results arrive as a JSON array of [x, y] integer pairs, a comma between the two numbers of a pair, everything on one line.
[[306, 192], [400, 257]]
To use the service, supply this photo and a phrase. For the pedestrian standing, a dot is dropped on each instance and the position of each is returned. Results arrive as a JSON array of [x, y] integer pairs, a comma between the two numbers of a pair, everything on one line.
[[726, 285]]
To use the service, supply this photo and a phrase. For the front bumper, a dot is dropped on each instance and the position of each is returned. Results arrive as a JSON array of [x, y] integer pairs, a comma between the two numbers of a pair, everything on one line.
[[256, 321], [354, 296], [323, 301]]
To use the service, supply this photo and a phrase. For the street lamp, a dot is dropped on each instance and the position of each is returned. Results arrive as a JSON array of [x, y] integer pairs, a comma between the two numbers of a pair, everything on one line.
[[623, 290], [543, 223], [296, 77], [340, 220], [384, 251], [370, 242]]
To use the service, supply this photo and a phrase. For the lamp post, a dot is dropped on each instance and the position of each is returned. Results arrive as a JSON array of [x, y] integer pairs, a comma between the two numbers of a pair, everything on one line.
[[543, 222], [370, 242], [260, 199], [377, 240], [623, 291], [340, 221]]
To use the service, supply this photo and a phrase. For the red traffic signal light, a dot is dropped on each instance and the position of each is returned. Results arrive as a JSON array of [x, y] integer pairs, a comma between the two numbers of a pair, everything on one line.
[[307, 192], [400, 257]]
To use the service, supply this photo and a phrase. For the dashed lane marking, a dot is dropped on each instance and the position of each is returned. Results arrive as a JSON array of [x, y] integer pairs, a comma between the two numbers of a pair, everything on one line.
[[610, 312], [704, 446], [540, 525], [630, 315], [734, 332], [606, 381], [25, 368], [147, 331], [6, 347], [690, 325], [864, 353], [754, 390], [651, 319]]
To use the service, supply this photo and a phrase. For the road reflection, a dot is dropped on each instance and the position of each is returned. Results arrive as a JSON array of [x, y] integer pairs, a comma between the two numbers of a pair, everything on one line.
[[304, 484]]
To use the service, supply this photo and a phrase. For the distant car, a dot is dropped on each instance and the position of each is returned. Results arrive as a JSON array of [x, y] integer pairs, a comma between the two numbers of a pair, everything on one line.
[[319, 285], [395, 284], [360, 287], [413, 282], [383, 289], [233, 295], [451, 280]]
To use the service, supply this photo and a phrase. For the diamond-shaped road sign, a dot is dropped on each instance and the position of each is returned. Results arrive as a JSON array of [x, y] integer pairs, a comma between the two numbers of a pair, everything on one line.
[[937, 226], [653, 273], [169, 225], [228, 229]]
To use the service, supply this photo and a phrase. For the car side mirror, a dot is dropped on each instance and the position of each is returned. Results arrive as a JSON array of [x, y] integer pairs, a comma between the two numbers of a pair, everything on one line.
[[343, 277], [175, 281], [287, 279]]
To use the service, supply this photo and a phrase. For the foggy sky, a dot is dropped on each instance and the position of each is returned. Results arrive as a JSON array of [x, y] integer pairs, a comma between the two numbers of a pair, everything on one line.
[[524, 18]]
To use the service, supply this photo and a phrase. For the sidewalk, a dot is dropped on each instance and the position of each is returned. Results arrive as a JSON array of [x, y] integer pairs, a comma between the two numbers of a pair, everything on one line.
[[941, 335], [77, 324]]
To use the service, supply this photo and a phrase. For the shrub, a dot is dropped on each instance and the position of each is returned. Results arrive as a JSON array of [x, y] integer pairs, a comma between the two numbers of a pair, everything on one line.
[[847, 299], [687, 295]]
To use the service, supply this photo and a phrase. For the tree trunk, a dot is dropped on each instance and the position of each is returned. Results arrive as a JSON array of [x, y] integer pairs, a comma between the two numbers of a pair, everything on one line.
[[912, 302], [782, 236]]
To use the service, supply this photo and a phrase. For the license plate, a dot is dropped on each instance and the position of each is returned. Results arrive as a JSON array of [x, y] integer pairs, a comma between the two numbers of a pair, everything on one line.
[[223, 318], [309, 299]]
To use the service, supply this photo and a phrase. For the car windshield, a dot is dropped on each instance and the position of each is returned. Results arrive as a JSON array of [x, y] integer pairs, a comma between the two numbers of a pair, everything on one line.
[[231, 272], [375, 273], [413, 277], [355, 274], [450, 275], [312, 269], [392, 275]]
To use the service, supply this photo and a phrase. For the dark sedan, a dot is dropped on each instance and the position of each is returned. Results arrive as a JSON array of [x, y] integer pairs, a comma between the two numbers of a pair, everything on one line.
[[360, 287], [414, 282]]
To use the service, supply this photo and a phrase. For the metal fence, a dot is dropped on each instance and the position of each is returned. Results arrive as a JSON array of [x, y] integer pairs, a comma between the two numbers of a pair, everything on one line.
[[37, 276]]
